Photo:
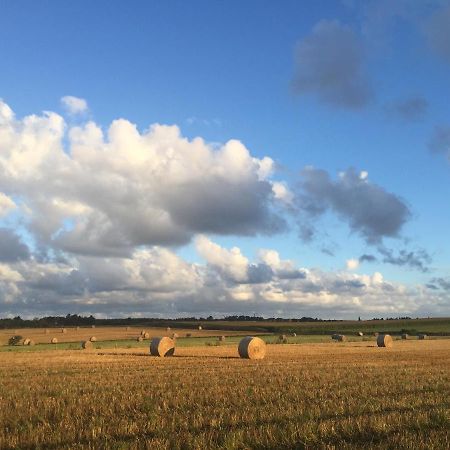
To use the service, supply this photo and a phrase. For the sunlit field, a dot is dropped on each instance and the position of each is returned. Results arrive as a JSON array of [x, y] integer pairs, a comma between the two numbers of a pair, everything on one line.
[[307, 395]]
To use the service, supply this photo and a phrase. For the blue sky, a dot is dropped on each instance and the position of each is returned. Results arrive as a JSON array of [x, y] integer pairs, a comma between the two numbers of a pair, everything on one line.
[[281, 79]]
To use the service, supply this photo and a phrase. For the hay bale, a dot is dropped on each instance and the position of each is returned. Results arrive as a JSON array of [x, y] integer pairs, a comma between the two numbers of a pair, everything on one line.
[[252, 348], [360, 333], [188, 334], [63, 330], [422, 336], [26, 341], [31, 342], [162, 346], [341, 338], [92, 326], [200, 328], [404, 336], [93, 339], [168, 329], [384, 340], [140, 339], [221, 338], [282, 339], [174, 335], [54, 341], [143, 332], [86, 345], [146, 335], [294, 334]]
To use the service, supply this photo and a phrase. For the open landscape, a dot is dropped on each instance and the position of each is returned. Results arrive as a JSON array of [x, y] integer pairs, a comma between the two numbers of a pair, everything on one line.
[[224, 225], [311, 392]]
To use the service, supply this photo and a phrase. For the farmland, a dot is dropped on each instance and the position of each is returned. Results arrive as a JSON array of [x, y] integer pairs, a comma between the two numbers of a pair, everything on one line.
[[307, 394]]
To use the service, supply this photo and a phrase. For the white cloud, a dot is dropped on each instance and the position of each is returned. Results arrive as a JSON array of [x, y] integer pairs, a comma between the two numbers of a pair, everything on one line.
[[352, 264], [74, 105], [124, 189]]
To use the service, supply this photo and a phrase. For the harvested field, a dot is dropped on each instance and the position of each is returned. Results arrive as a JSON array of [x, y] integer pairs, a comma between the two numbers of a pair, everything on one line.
[[349, 396], [39, 335]]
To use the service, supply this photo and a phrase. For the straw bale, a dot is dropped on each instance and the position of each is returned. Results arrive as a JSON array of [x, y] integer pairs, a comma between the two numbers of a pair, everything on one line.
[[162, 346], [384, 340], [252, 348], [86, 344], [54, 340]]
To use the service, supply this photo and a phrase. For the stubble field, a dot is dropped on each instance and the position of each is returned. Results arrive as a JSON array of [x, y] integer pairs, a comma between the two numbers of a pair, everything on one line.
[[332, 395]]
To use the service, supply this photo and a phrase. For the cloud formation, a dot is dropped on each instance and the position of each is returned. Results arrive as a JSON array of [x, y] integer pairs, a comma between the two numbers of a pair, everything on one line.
[[112, 192], [369, 209], [100, 212], [155, 281], [74, 105], [330, 64]]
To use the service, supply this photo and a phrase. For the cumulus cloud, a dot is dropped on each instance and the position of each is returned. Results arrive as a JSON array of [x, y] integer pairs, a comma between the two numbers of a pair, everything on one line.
[[155, 281], [74, 105], [369, 209], [330, 64], [110, 193], [409, 109], [103, 209]]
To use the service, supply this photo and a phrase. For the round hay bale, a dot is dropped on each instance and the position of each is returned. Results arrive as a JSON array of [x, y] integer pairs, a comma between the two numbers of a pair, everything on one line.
[[360, 333], [252, 348], [200, 327], [140, 339], [221, 338], [86, 345], [31, 342], [63, 330], [174, 335], [146, 335], [162, 346], [422, 336], [168, 329], [26, 341], [282, 339], [384, 340], [143, 332], [54, 341], [341, 338], [404, 336], [93, 339], [188, 334]]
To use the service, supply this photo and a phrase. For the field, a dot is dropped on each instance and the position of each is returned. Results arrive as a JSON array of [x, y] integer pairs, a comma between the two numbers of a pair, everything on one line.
[[305, 395]]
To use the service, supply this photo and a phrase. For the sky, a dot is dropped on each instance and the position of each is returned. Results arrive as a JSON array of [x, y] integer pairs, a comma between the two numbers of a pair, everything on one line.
[[175, 159]]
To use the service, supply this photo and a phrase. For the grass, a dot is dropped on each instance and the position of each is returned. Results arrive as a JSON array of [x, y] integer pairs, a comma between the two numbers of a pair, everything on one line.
[[321, 395]]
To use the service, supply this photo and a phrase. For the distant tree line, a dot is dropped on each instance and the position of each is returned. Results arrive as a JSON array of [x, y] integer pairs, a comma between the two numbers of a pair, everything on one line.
[[76, 320]]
